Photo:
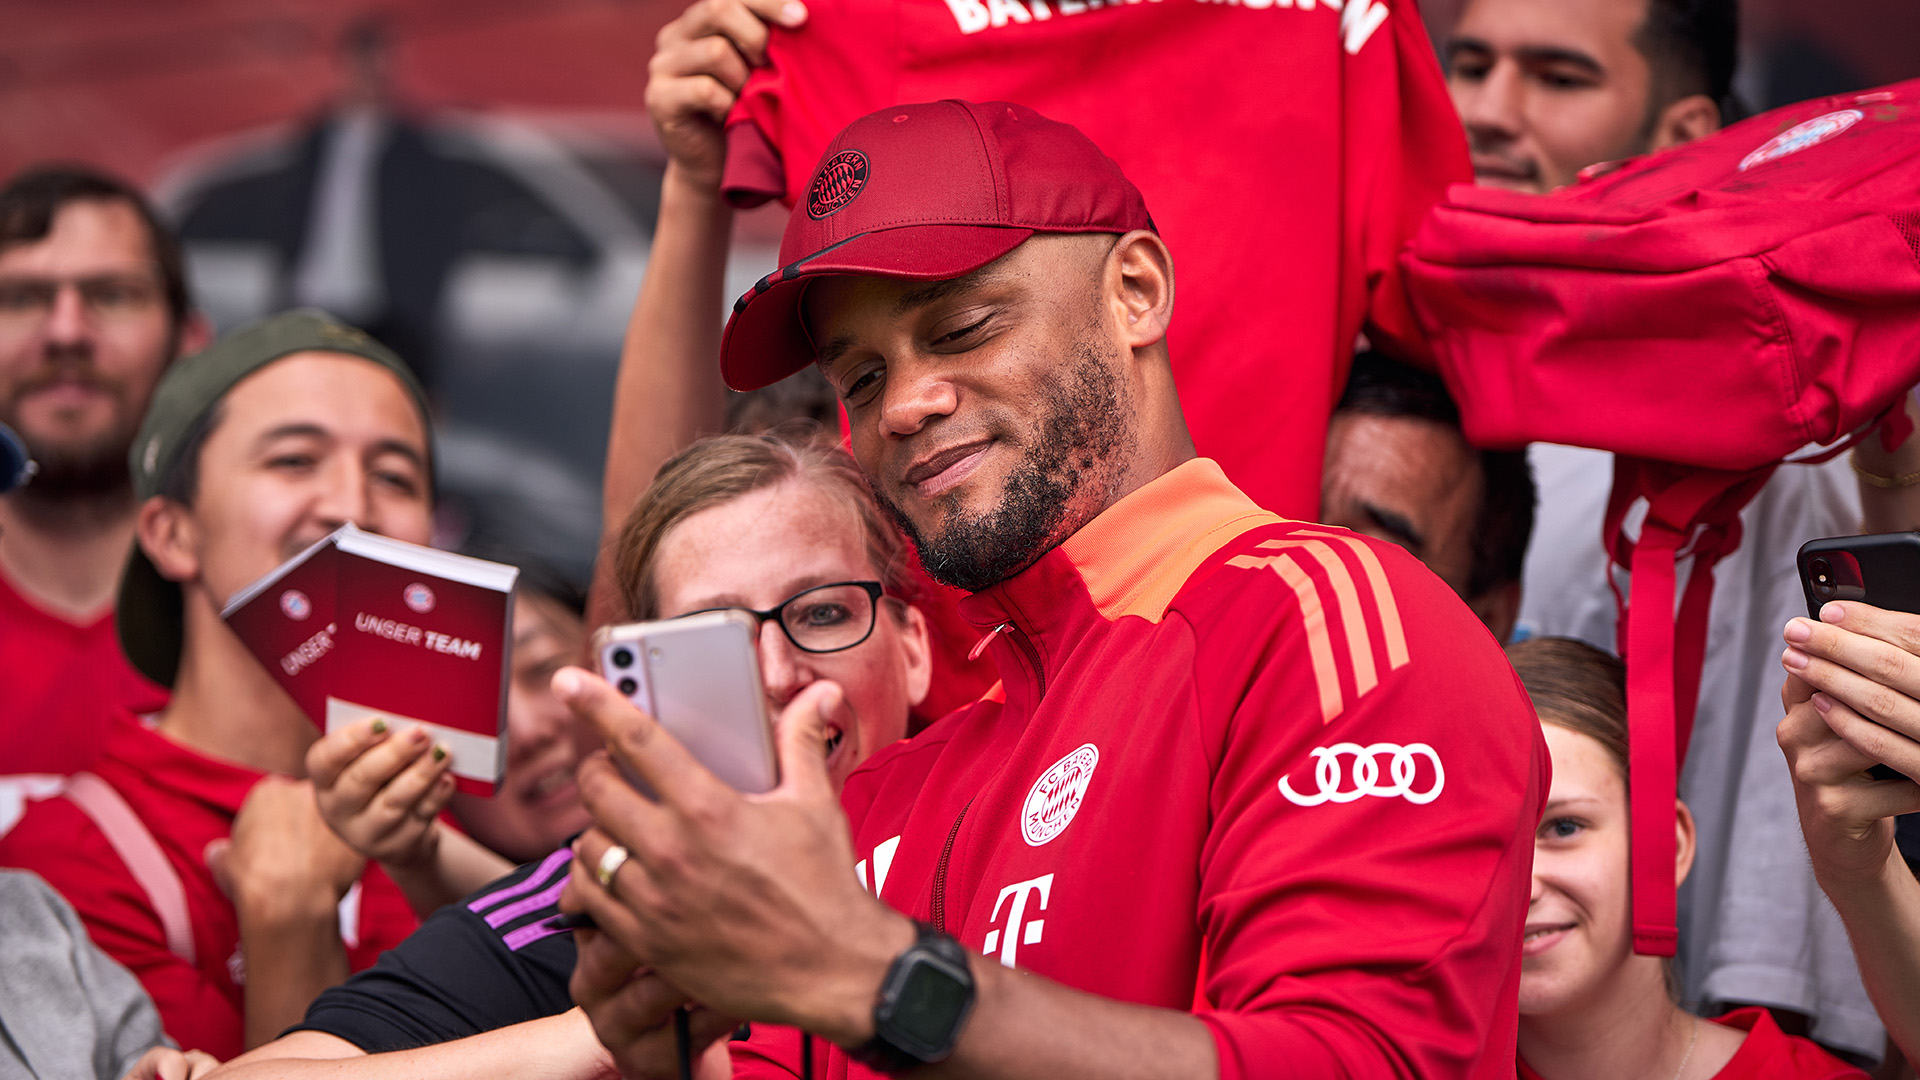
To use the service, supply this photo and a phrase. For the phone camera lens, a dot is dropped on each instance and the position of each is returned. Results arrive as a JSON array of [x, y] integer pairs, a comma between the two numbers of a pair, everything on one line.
[[628, 686], [1822, 576], [623, 658]]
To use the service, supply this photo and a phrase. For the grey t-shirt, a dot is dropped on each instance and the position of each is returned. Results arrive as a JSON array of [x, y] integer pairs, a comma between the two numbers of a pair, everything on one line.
[[66, 1008]]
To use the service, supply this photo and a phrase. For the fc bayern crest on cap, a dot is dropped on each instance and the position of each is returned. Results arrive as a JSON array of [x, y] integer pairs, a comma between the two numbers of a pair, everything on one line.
[[838, 181]]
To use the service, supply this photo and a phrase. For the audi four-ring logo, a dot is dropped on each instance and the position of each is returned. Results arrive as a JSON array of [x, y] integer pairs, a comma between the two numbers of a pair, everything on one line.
[[1402, 761]]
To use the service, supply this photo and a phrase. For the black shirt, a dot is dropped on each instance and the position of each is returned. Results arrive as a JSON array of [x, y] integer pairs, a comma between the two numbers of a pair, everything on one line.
[[484, 963]]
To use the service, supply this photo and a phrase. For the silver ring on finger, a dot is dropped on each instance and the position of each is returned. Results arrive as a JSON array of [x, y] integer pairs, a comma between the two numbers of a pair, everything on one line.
[[611, 860]]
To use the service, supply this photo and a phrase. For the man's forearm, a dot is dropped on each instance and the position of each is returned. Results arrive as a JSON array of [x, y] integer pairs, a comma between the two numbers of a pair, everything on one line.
[[1882, 918], [1024, 1026], [669, 391], [553, 1048]]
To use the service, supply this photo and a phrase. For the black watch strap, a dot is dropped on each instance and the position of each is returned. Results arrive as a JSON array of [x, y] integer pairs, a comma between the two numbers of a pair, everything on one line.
[[924, 1001]]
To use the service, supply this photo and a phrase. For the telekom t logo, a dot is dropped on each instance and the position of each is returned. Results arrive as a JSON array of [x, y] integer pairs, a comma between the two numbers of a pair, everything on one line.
[[1020, 929]]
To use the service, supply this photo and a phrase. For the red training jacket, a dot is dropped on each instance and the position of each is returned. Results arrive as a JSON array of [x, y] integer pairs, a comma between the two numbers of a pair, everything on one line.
[[1269, 771]]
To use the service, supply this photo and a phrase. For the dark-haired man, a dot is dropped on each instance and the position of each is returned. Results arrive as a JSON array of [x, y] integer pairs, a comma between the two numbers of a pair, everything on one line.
[[1399, 469], [1217, 815], [1545, 89], [191, 855], [93, 305]]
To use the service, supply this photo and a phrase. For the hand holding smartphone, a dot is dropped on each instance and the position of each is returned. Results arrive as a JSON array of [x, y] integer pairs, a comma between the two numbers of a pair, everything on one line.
[[1881, 569], [699, 677]]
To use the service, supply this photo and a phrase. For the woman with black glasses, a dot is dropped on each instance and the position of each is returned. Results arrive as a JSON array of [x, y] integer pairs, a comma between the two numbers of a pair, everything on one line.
[[779, 525]]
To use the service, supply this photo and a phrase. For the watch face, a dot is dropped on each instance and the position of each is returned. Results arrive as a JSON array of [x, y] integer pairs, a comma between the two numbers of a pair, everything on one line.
[[926, 1015]]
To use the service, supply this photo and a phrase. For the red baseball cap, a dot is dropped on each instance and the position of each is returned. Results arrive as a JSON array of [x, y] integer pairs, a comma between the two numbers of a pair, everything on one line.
[[924, 192]]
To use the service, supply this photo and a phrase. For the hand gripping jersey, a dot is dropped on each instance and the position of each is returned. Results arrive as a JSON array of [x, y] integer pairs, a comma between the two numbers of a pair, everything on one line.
[[1271, 772], [1286, 151]]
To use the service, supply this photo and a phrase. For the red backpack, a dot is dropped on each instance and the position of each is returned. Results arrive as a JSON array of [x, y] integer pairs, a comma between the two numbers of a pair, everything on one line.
[[1704, 313]]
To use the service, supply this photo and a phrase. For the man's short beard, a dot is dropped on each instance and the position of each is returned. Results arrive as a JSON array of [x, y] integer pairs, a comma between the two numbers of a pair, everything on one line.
[[1069, 474]]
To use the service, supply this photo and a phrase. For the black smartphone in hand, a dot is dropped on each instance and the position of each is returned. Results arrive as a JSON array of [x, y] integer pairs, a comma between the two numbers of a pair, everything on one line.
[[1882, 569]]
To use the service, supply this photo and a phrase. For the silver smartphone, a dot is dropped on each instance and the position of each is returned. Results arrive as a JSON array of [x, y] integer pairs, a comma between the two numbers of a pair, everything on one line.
[[699, 676]]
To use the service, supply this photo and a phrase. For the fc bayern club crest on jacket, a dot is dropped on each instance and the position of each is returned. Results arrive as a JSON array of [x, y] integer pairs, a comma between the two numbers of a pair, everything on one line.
[[837, 183]]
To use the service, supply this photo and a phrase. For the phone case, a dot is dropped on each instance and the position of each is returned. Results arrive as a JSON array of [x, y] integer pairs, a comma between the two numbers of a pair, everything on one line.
[[699, 676], [1882, 569]]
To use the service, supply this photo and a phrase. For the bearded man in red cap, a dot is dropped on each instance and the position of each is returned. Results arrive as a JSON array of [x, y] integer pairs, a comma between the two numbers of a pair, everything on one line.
[[1251, 791]]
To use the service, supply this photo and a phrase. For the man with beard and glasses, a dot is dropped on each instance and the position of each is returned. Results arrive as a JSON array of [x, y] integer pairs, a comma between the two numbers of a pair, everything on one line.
[[93, 306], [189, 850], [1251, 791]]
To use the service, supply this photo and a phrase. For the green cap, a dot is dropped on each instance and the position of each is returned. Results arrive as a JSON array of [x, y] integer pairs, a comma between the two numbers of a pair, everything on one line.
[[149, 608]]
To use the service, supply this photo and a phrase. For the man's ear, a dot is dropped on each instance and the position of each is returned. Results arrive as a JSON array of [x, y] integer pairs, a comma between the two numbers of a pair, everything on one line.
[[167, 532], [1140, 278], [1692, 117], [1682, 842], [196, 333], [1499, 608]]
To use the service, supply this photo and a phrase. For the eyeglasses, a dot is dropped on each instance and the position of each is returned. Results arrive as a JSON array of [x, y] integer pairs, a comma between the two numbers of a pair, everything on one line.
[[825, 618], [27, 302]]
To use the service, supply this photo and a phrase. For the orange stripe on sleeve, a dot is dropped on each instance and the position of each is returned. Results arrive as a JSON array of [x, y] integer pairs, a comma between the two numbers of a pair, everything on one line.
[[1382, 592], [1313, 619], [1352, 617]]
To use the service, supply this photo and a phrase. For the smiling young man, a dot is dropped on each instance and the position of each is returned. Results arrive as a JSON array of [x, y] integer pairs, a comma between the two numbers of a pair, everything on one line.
[[93, 306], [234, 918], [1251, 790], [1546, 88]]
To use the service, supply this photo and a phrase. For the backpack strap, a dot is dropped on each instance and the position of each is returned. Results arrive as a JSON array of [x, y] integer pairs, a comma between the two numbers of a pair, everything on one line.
[[1696, 509], [134, 843]]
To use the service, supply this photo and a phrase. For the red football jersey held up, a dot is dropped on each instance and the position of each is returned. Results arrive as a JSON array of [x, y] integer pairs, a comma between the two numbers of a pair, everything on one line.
[[1285, 151], [1271, 772]]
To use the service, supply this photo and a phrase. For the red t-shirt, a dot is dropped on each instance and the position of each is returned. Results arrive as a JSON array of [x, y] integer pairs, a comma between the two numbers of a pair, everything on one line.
[[1276, 763], [1286, 152], [1768, 1054], [60, 683], [186, 800]]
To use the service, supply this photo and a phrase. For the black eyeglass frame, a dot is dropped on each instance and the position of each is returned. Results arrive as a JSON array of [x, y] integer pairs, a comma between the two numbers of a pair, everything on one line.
[[875, 591]]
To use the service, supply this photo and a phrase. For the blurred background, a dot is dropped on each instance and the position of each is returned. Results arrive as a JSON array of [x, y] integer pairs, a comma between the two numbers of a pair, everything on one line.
[[475, 181]]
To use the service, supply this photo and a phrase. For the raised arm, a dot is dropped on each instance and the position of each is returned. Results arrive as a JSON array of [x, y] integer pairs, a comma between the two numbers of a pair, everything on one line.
[[669, 391], [1889, 481], [1840, 722]]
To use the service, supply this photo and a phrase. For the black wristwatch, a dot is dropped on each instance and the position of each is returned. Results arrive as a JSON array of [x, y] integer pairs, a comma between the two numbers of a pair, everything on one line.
[[924, 1001]]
